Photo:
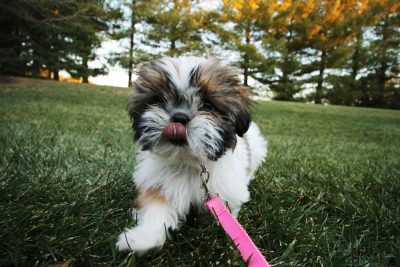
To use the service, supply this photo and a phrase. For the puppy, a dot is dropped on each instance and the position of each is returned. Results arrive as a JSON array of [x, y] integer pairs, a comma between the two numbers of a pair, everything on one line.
[[185, 112]]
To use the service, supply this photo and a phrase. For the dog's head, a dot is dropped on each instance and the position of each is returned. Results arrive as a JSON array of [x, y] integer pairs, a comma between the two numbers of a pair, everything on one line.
[[188, 107]]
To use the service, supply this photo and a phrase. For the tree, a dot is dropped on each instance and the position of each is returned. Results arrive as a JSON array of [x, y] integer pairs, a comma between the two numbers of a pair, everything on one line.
[[238, 31], [372, 65], [281, 23], [136, 13], [155, 28], [332, 25], [174, 28], [382, 81], [51, 37], [12, 59]]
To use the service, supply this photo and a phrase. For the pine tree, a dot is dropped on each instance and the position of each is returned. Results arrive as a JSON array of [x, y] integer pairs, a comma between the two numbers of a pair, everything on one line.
[[332, 26], [84, 31], [238, 32], [50, 36], [281, 24], [366, 83], [382, 82], [174, 29], [156, 28], [137, 13]]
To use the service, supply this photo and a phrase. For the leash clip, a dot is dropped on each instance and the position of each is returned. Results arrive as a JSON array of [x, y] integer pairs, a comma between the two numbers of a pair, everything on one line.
[[205, 176]]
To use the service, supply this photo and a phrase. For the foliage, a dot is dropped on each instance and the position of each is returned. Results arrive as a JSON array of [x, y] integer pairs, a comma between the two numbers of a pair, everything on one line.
[[242, 35], [156, 28], [40, 35], [128, 16], [321, 43], [339, 52], [174, 28], [282, 24]]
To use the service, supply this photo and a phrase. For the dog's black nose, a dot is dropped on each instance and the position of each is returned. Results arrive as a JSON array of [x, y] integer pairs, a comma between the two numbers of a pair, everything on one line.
[[180, 118]]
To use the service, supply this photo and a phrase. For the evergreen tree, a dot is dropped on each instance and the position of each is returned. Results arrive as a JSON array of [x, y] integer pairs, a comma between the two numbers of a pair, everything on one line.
[[39, 35], [346, 89], [130, 15], [375, 45], [382, 83], [85, 33], [155, 28], [281, 24], [174, 28], [332, 25], [238, 32]]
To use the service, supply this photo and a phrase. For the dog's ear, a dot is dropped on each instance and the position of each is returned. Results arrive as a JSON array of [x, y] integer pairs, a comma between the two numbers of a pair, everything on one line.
[[243, 121], [243, 118]]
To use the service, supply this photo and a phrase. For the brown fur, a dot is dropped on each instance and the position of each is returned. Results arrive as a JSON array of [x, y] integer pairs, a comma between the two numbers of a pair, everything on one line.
[[221, 85], [150, 196], [152, 80]]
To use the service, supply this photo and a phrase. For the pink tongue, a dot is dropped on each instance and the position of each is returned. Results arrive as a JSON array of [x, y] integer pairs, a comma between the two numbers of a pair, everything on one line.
[[175, 131]]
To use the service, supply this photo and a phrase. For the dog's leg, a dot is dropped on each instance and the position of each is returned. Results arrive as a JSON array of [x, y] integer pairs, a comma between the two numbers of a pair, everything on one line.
[[235, 201], [155, 217]]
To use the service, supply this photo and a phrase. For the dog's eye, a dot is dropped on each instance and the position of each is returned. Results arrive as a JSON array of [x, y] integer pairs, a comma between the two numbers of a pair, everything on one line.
[[207, 105]]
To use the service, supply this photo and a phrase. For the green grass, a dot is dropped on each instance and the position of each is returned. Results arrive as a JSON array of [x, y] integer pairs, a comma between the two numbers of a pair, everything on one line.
[[328, 195]]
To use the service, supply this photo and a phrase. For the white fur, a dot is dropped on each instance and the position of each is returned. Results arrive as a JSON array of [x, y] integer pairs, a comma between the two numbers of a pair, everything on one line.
[[181, 78], [155, 217], [180, 185]]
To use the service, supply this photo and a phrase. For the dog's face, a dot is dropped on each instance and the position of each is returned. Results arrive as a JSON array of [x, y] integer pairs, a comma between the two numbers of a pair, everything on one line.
[[188, 107]]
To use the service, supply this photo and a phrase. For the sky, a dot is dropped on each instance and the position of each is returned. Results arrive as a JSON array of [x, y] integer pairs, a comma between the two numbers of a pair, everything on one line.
[[116, 76]]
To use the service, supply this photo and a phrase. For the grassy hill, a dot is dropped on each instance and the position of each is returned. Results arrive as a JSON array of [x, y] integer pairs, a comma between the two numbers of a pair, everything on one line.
[[328, 195]]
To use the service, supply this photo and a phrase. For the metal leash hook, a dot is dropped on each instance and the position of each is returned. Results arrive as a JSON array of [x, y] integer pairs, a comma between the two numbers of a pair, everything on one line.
[[205, 176]]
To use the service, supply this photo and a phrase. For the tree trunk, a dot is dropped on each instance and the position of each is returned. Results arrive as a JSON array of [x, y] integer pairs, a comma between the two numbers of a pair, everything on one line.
[[355, 67], [131, 37], [383, 57], [172, 48], [322, 66], [56, 76], [356, 59], [85, 79], [35, 69], [84, 74], [288, 90], [246, 59], [287, 94]]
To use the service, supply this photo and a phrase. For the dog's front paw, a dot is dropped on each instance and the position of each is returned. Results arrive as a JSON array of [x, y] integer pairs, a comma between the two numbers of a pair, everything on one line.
[[140, 239]]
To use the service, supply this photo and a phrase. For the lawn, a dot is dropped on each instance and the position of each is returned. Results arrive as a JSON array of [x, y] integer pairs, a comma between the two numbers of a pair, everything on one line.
[[328, 195]]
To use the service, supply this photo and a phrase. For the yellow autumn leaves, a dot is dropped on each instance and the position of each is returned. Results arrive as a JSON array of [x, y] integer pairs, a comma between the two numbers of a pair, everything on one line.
[[320, 14]]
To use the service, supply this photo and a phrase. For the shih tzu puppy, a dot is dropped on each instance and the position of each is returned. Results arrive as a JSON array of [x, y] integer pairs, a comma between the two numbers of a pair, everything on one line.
[[185, 112]]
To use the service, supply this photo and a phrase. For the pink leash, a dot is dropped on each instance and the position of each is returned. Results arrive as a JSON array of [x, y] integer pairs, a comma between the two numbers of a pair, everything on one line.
[[249, 251]]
